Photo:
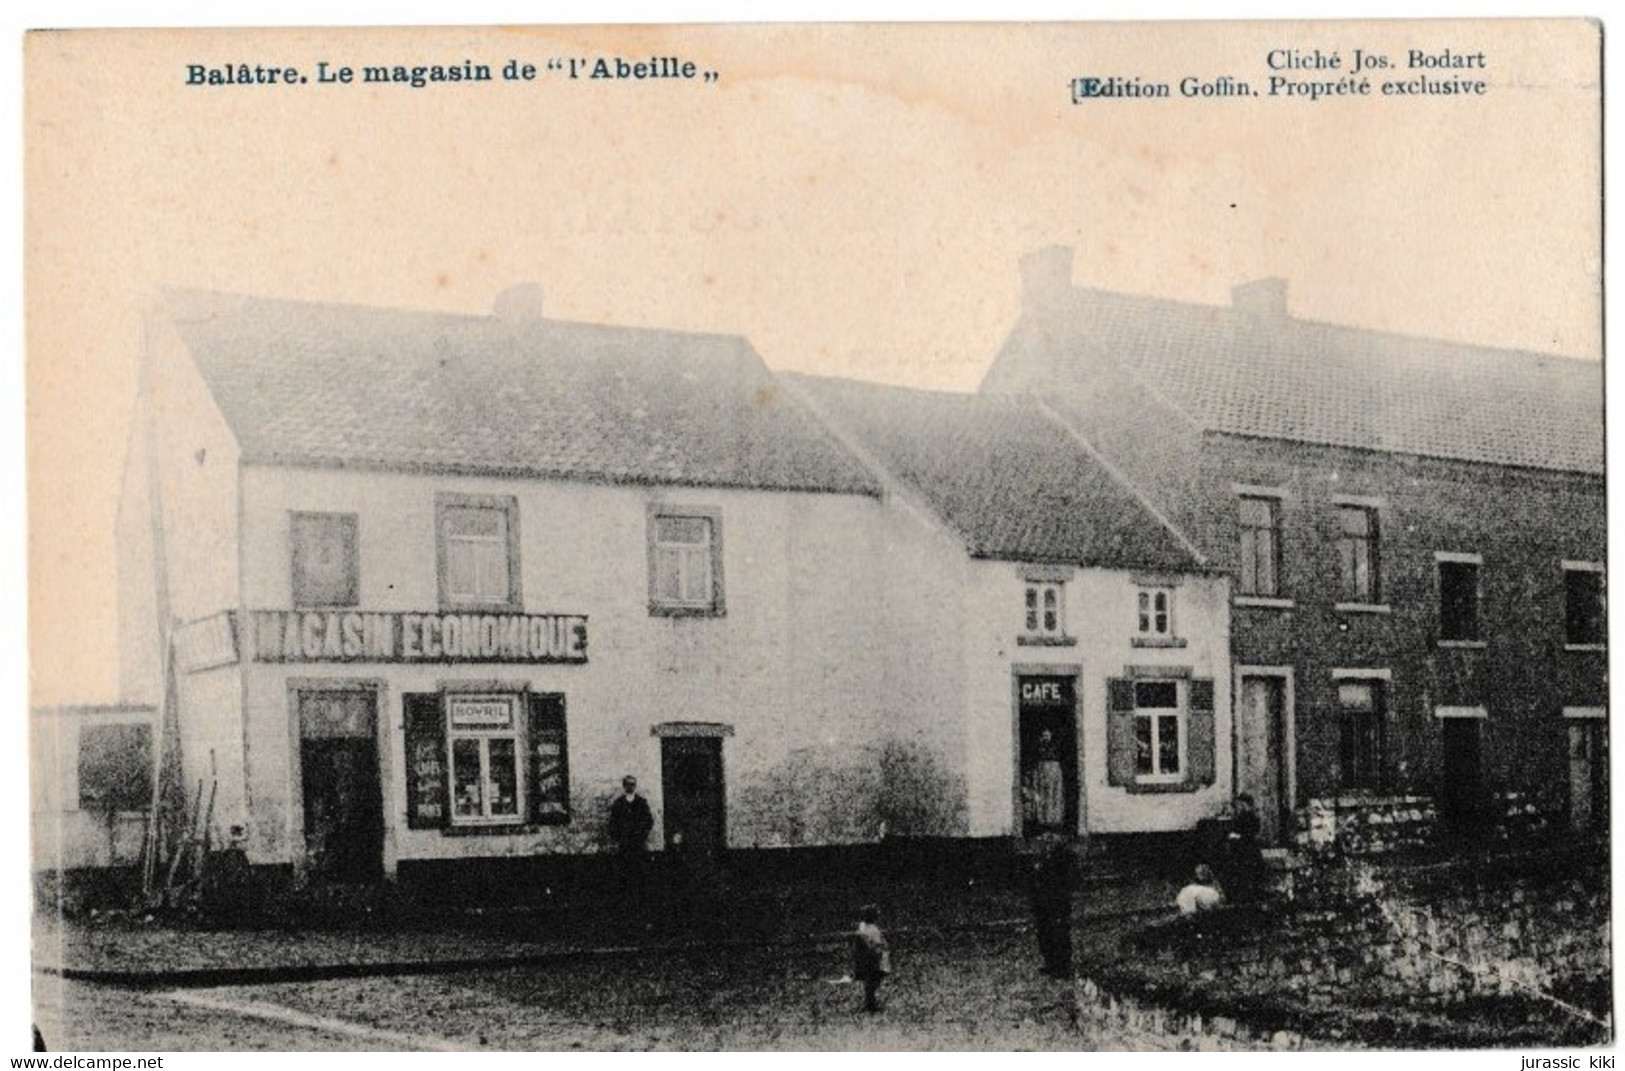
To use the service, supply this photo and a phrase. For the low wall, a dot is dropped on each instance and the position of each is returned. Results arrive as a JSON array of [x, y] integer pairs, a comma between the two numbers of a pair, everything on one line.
[[1383, 826], [1512, 953]]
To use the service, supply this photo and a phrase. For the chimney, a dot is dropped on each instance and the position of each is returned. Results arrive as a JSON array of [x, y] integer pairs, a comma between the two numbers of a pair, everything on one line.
[[1046, 275], [521, 303], [1262, 297]]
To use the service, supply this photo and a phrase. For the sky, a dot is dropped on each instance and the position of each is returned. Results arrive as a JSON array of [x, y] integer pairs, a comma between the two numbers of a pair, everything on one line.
[[853, 200]]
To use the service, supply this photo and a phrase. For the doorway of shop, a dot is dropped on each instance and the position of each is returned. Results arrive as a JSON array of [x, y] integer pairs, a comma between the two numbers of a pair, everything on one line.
[[1047, 728], [343, 802]]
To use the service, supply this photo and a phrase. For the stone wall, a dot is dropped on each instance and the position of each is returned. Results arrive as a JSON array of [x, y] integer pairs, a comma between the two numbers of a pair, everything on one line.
[[1396, 953], [1383, 826]]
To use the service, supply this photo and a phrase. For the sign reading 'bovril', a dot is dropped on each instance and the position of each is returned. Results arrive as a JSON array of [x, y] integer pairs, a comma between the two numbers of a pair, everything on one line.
[[350, 636]]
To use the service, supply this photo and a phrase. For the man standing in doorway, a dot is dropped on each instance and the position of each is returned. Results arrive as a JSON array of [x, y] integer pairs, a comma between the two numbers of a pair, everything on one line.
[[630, 821]]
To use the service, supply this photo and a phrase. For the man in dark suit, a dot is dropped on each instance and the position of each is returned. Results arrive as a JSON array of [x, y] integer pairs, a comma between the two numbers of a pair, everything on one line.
[[630, 821]]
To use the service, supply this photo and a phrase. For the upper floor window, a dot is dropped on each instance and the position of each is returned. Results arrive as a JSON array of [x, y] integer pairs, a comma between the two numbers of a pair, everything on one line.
[[1359, 554], [1044, 609], [1459, 597], [326, 565], [1156, 613], [1260, 546], [685, 560], [478, 551], [1584, 622]]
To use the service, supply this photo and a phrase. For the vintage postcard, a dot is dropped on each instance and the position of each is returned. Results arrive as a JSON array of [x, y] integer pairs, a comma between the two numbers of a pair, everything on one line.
[[1052, 536]]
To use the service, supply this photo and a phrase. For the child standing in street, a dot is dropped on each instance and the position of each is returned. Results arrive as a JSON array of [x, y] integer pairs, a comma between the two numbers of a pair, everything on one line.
[[871, 958]]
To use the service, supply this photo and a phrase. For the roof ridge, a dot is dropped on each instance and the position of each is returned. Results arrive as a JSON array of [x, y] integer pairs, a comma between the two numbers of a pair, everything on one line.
[[1233, 312], [453, 315]]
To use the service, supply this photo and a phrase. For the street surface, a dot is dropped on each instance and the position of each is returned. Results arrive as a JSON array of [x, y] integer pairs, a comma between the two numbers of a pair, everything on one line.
[[978, 990]]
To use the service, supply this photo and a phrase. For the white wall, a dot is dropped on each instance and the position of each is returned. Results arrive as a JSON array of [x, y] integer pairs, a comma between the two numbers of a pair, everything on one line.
[[63, 836], [804, 665], [1101, 618]]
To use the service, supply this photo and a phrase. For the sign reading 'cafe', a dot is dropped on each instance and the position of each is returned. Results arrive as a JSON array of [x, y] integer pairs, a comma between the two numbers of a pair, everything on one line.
[[340, 636]]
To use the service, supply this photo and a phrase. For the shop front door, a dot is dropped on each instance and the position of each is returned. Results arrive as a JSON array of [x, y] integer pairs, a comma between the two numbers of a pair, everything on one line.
[[343, 802], [1048, 760]]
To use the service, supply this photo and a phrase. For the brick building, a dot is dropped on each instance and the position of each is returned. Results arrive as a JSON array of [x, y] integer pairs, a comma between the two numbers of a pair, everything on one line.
[[1415, 530]]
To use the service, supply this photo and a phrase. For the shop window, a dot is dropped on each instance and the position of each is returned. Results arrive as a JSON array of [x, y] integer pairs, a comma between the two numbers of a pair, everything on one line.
[[1359, 554], [1361, 733], [1160, 734], [1583, 617], [486, 761], [685, 561], [1260, 547], [478, 551], [484, 750], [1044, 610], [1156, 613], [1458, 599], [326, 563], [115, 767]]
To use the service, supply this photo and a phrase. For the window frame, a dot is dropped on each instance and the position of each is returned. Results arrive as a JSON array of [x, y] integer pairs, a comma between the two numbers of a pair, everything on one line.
[[1379, 682], [1248, 549], [514, 732], [660, 606], [1588, 642], [1034, 589], [1349, 592], [1155, 715], [350, 524], [1150, 593], [1441, 560], [508, 505]]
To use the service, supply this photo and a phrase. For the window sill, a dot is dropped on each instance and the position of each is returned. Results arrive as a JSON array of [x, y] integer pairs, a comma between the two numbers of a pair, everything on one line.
[[1585, 647], [481, 607], [1157, 641], [1363, 608], [497, 829], [1046, 641], [1263, 602], [1152, 786], [664, 610], [1464, 645]]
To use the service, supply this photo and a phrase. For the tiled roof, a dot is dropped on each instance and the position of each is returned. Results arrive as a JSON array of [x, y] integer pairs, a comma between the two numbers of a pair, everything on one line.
[[1265, 374], [346, 386], [1001, 473]]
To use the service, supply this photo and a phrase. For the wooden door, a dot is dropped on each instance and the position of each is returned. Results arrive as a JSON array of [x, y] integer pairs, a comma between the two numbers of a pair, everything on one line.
[[1261, 755], [343, 800], [693, 793]]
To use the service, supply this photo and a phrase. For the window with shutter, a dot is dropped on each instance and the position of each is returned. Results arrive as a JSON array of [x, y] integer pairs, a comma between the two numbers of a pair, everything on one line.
[[1120, 747], [1160, 734]]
